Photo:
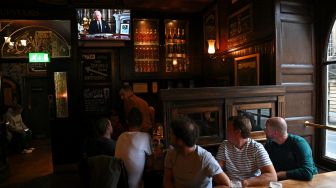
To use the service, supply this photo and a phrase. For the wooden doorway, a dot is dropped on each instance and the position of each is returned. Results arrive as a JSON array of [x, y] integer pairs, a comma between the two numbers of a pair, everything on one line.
[[35, 101]]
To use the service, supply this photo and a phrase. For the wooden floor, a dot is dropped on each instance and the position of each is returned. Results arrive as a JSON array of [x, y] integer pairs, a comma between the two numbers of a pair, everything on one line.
[[36, 170]]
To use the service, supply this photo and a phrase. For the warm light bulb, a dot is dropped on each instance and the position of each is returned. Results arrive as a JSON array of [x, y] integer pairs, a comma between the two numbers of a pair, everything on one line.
[[211, 46], [7, 39], [23, 42], [174, 61]]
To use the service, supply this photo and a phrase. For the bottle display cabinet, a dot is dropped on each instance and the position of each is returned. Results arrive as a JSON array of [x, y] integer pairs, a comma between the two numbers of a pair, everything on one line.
[[176, 53], [146, 45], [155, 55]]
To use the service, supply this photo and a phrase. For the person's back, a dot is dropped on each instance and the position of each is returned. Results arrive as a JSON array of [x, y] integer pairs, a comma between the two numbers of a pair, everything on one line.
[[101, 144], [189, 165], [132, 147], [142, 105]]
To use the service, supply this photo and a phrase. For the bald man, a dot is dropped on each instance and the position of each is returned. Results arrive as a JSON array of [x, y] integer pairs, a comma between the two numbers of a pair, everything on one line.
[[291, 154]]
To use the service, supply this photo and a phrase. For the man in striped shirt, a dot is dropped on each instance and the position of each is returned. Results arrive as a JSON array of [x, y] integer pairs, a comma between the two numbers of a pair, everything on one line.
[[242, 158]]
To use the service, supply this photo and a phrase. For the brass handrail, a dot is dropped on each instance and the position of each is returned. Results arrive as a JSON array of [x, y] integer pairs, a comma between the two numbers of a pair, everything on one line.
[[306, 123]]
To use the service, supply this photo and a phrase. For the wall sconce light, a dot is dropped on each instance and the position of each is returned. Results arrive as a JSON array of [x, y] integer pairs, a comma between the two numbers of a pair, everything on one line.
[[7, 39], [23, 42], [211, 46]]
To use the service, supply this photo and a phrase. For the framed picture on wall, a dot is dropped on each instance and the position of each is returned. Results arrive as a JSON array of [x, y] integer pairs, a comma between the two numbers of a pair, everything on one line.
[[210, 26], [246, 70]]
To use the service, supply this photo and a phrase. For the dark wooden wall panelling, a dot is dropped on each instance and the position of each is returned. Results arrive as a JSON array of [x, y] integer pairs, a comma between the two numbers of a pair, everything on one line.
[[295, 62]]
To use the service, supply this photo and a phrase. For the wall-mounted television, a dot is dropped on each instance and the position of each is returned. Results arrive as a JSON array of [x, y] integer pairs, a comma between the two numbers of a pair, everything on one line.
[[103, 24]]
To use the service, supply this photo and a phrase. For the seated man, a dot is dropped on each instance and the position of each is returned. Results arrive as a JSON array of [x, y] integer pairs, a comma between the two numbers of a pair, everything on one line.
[[290, 154], [132, 147], [99, 146], [187, 164], [18, 133], [102, 144], [242, 158]]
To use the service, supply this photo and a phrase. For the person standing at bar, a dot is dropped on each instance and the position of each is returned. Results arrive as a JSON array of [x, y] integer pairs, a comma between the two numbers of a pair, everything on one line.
[[133, 101], [291, 154], [98, 25]]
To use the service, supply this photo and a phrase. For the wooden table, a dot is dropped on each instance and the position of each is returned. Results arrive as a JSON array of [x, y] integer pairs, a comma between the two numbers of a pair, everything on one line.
[[324, 180]]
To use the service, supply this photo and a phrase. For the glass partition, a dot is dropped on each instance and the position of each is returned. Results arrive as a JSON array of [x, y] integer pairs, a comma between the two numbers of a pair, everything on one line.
[[258, 114], [61, 94], [209, 120]]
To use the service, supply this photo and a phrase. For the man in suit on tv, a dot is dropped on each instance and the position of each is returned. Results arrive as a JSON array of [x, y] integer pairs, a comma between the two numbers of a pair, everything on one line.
[[98, 25]]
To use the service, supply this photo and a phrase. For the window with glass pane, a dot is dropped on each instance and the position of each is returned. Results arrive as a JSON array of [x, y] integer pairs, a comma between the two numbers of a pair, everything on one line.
[[330, 94]]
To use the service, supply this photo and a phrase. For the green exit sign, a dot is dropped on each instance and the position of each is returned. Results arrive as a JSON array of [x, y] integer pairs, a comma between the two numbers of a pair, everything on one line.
[[39, 57]]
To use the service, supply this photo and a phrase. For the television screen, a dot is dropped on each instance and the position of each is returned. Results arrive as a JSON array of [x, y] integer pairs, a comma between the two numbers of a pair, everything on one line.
[[103, 24]]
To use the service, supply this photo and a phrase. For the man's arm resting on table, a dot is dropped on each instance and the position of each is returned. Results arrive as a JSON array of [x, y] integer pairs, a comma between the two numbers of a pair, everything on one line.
[[281, 175], [268, 174], [168, 178], [221, 179]]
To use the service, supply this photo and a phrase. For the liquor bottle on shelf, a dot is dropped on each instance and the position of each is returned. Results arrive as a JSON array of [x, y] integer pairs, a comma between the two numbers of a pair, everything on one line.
[[155, 37], [136, 38], [180, 65], [178, 36], [175, 36], [169, 44], [152, 37], [144, 40], [182, 38], [169, 65], [170, 36], [183, 45]]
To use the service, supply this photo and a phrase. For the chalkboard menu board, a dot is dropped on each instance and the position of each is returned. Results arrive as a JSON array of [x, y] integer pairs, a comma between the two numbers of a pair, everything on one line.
[[96, 99], [96, 67], [96, 77]]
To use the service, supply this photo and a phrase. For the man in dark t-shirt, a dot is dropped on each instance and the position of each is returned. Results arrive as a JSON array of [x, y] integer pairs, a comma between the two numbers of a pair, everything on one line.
[[102, 144]]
